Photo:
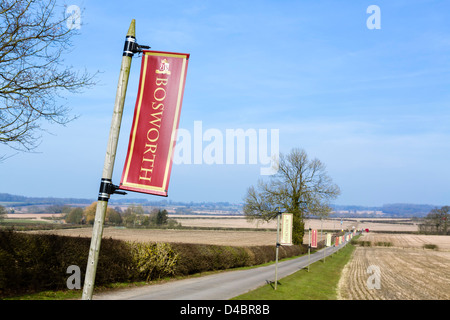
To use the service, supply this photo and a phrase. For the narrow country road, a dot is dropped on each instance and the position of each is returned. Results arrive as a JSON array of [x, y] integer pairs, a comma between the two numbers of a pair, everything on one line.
[[220, 286]]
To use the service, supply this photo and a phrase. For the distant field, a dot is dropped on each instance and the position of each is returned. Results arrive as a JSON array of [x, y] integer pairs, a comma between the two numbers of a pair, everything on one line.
[[27, 221], [407, 271], [374, 224], [267, 235], [216, 237], [409, 240], [218, 221], [37, 216]]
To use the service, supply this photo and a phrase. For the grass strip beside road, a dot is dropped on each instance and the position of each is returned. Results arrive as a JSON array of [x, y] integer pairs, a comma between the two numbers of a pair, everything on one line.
[[320, 283]]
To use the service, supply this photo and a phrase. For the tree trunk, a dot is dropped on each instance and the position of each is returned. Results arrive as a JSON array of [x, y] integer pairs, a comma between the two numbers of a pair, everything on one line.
[[298, 229]]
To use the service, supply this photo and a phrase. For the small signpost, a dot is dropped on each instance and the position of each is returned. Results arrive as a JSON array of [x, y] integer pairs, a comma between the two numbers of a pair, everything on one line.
[[314, 239], [286, 229], [327, 244], [286, 236], [312, 243], [309, 248], [328, 239]]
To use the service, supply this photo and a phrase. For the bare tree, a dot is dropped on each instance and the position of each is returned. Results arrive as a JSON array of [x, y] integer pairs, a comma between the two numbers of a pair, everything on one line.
[[301, 186], [436, 221], [3, 213], [33, 77]]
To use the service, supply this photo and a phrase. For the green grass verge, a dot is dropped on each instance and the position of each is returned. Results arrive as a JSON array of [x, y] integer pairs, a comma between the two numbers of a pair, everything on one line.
[[49, 295], [320, 283]]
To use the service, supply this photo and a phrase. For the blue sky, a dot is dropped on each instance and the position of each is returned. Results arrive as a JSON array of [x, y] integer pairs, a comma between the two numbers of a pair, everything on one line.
[[373, 105]]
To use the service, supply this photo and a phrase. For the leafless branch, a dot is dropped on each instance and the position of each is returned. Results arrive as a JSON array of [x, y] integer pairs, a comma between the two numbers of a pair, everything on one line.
[[33, 77]]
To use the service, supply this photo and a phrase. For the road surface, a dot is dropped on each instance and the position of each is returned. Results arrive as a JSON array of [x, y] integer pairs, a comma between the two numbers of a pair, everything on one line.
[[219, 286]]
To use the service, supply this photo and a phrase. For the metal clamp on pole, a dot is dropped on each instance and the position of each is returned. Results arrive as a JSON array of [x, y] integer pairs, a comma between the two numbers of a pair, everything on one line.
[[107, 189], [131, 46]]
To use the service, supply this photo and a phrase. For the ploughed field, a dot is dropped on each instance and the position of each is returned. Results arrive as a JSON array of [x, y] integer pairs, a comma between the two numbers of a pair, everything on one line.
[[263, 233], [215, 237], [374, 224], [407, 271]]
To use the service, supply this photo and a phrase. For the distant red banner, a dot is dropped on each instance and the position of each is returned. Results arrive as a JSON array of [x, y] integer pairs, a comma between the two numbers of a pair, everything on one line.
[[156, 116], [313, 238]]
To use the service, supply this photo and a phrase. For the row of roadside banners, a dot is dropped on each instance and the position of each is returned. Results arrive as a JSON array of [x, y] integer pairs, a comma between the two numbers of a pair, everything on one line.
[[286, 233], [284, 238]]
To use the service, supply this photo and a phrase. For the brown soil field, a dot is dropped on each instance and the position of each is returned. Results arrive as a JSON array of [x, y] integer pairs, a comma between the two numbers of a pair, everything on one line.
[[215, 237], [229, 237], [224, 222], [407, 272], [37, 216], [409, 240], [374, 224]]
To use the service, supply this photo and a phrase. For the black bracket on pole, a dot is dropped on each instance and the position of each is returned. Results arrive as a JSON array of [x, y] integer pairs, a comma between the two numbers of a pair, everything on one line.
[[279, 213], [131, 47], [107, 189], [309, 246]]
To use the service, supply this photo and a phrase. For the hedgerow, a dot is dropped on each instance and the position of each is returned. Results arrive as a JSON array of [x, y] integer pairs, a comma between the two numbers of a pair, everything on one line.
[[38, 262]]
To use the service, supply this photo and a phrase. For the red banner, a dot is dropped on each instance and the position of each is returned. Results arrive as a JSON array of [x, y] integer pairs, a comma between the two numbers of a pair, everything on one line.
[[155, 122], [313, 238]]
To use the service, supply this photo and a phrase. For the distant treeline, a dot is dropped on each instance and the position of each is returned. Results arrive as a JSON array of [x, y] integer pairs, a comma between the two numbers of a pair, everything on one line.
[[404, 209], [393, 210], [17, 200], [24, 201]]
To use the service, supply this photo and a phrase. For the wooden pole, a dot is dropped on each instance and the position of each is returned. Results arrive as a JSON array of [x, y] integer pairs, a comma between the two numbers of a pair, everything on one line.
[[108, 167], [321, 237], [276, 252], [309, 249]]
